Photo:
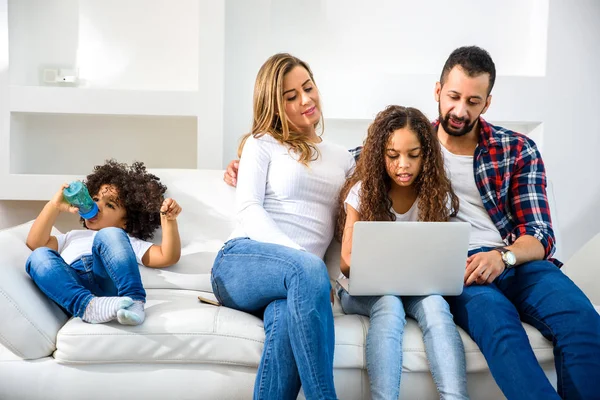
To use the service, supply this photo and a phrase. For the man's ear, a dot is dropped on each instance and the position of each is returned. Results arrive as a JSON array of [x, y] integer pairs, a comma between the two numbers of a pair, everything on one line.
[[488, 101], [437, 92]]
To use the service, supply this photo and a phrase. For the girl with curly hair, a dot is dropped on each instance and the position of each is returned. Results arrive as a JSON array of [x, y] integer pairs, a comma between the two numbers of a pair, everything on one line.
[[400, 177], [93, 273]]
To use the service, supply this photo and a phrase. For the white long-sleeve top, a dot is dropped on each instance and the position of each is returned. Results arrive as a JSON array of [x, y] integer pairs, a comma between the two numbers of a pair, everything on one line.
[[279, 200]]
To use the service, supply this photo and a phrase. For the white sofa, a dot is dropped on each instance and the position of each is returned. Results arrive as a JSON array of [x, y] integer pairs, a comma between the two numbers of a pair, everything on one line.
[[186, 349]]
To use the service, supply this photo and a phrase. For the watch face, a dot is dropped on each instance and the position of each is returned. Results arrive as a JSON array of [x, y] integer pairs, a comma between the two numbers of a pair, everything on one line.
[[510, 258]]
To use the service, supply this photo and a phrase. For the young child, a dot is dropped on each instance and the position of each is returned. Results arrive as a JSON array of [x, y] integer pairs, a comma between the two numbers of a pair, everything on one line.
[[93, 274], [400, 177]]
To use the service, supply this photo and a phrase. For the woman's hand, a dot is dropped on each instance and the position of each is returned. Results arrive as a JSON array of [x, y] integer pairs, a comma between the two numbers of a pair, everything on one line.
[[170, 209]]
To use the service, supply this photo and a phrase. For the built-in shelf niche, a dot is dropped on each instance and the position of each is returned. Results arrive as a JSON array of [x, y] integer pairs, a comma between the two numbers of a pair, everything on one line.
[[71, 144]]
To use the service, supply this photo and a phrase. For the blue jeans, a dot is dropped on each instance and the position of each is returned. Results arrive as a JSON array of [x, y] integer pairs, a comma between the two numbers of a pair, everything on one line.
[[443, 345], [539, 294], [111, 270], [292, 288]]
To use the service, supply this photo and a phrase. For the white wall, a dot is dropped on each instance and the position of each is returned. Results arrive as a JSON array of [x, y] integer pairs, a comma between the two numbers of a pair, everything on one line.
[[107, 41], [571, 130], [368, 55]]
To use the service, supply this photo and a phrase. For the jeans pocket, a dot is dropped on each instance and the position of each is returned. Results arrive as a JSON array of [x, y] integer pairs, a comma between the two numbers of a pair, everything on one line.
[[230, 243]]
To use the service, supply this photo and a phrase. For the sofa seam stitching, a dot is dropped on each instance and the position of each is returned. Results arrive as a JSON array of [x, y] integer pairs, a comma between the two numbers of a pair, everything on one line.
[[10, 300]]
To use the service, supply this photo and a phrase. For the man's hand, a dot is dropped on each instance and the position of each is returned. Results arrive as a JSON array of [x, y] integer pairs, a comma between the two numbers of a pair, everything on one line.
[[230, 176], [484, 267]]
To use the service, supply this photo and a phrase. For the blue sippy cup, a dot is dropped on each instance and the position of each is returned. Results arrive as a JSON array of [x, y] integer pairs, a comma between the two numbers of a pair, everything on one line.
[[77, 195]]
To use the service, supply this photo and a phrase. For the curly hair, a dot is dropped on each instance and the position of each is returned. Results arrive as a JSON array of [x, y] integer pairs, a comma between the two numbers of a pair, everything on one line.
[[432, 185], [140, 193], [269, 108]]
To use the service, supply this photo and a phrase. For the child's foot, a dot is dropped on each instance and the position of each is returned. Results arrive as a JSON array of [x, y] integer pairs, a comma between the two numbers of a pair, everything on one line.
[[104, 309], [132, 315]]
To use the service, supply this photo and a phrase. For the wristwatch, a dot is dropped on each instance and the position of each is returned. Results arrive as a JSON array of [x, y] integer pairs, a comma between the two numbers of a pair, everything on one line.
[[508, 257]]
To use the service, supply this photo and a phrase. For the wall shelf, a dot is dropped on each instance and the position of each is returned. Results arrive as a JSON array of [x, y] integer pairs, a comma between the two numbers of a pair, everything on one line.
[[41, 99], [141, 91]]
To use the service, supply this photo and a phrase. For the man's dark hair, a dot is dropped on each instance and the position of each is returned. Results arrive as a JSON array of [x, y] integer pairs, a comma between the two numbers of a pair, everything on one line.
[[474, 61]]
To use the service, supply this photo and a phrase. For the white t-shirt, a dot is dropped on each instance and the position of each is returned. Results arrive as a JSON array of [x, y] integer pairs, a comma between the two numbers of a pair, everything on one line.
[[460, 171], [353, 198], [279, 200], [77, 243]]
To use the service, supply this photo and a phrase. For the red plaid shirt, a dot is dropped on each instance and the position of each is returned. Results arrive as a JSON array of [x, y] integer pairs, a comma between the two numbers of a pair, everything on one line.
[[511, 178]]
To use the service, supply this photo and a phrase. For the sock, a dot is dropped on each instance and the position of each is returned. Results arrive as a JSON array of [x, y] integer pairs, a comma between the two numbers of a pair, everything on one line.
[[104, 309], [132, 315]]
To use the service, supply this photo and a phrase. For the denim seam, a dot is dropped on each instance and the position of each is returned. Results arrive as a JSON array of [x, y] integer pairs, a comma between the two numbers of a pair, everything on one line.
[[297, 271], [268, 348], [113, 277], [304, 340], [562, 365]]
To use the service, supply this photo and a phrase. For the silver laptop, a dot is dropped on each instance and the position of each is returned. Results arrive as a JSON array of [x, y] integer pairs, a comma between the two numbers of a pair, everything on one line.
[[408, 258]]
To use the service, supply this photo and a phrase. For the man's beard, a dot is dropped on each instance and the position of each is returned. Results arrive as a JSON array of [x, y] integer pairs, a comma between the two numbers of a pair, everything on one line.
[[445, 122]]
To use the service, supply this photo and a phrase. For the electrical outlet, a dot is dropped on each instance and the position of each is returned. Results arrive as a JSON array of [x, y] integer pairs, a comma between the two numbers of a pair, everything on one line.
[[60, 76], [50, 75]]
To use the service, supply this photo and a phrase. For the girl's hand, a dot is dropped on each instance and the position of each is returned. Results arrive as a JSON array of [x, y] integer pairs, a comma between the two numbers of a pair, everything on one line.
[[59, 202], [170, 209]]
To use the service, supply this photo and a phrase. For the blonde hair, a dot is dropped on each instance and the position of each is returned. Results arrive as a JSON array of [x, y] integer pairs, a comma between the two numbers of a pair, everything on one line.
[[269, 108]]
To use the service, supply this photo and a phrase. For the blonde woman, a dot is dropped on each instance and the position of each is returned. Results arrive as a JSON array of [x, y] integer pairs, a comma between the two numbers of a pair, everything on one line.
[[288, 183]]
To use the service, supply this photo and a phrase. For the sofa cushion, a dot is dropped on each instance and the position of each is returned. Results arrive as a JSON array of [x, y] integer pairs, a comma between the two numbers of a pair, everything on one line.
[[180, 329], [30, 320]]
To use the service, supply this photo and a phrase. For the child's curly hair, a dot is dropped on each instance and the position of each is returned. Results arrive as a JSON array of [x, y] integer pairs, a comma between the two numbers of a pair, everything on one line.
[[432, 185], [140, 193]]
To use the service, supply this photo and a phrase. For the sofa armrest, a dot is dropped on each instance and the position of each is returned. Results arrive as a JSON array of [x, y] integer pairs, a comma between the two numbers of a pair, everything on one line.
[[584, 269], [30, 321]]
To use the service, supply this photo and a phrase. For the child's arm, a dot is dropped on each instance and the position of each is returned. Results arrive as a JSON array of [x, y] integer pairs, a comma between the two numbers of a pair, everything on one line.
[[169, 251], [39, 234], [351, 217]]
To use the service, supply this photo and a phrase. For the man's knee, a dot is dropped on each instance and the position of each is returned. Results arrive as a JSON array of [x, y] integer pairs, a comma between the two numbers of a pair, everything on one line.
[[484, 306]]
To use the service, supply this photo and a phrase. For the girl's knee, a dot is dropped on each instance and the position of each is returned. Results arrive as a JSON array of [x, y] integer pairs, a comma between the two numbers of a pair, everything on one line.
[[435, 304], [388, 305]]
